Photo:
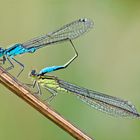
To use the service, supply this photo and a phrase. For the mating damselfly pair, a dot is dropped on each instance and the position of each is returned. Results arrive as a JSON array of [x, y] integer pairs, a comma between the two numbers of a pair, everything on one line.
[[105, 103]]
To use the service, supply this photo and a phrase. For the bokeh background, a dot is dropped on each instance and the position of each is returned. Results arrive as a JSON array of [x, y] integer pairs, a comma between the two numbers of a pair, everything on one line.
[[109, 62]]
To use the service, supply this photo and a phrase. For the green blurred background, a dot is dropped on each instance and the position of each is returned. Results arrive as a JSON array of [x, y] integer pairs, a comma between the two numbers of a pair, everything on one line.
[[108, 62]]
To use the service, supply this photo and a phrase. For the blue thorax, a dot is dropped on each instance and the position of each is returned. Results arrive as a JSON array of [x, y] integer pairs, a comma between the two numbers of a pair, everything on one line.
[[18, 49]]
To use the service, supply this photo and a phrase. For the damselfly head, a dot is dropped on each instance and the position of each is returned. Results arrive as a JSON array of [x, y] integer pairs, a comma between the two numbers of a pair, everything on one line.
[[1, 52], [33, 73]]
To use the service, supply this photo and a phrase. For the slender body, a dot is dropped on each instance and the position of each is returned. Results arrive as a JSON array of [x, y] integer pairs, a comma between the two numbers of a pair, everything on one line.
[[102, 102], [66, 33]]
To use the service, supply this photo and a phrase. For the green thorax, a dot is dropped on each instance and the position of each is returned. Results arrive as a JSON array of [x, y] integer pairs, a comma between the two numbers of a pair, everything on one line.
[[48, 81]]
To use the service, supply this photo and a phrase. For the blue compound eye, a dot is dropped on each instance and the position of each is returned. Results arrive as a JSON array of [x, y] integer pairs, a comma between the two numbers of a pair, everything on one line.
[[1, 52]]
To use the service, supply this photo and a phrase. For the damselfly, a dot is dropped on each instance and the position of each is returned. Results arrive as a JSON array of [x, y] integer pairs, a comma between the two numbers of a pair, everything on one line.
[[65, 33], [102, 102]]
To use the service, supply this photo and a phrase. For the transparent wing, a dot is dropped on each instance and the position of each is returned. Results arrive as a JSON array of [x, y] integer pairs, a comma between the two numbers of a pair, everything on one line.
[[105, 103], [67, 32]]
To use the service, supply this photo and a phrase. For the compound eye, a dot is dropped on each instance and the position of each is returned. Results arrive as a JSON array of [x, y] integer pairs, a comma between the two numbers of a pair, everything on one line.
[[1, 50], [33, 72]]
